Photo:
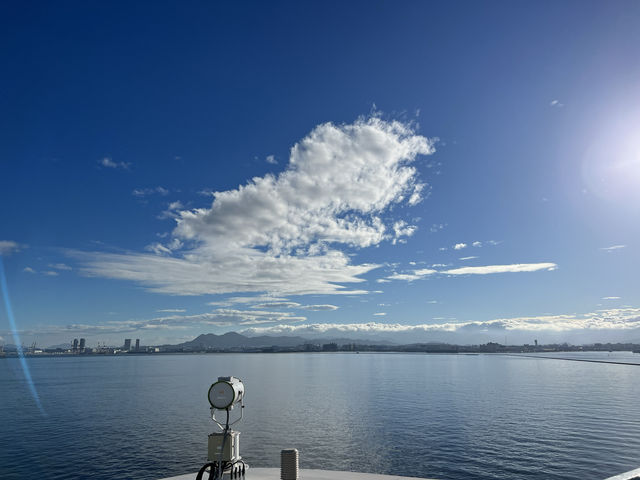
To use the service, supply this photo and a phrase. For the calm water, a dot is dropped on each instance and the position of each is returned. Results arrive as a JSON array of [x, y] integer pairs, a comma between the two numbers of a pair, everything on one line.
[[442, 416]]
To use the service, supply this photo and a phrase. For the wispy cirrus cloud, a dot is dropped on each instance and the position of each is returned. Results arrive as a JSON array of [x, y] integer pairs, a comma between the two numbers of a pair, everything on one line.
[[60, 266], [413, 275], [320, 308], [9, 247], [145, 192], [513, 268], [286, 234], [613, 248], [479, 270], [107, 162]]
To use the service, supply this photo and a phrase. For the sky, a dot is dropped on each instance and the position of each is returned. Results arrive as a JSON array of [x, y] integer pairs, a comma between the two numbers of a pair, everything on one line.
[[414, 171]]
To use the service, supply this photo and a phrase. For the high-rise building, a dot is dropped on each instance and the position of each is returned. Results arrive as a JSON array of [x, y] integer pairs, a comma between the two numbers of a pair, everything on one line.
[[75, 345], [127, 344], [137, 344], [82, 344]]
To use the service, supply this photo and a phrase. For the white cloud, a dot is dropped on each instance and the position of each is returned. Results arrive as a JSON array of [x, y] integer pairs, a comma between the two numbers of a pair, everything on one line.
[[459, 246], [7, 247], [379, 314], [107, 162], [277, 305], [612, 248], [217, 318], [283, 234], [164, 249], [401, 229], [480, 270], [476, 244], [172, 211], [556, 103], [488, 269], [207, 193], [144, 192], [28, 270], [171, 310], [468, 258], [610, 298], [414, 275], [256, 299], [60, 266], [319, 308], [50, 273], [271, 159], [612, 319]]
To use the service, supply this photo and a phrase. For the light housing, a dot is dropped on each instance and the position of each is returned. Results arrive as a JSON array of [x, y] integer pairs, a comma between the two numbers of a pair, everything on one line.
[[225, 393]]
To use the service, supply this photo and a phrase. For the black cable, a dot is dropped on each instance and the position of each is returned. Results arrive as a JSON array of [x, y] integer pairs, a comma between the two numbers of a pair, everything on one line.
[[204, 469]]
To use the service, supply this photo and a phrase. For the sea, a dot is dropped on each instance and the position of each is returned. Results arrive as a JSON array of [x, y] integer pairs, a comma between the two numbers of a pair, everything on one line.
[[422, 415]]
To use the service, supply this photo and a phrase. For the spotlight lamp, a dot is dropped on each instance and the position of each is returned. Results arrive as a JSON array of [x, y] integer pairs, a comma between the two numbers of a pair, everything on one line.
[[225, 393]]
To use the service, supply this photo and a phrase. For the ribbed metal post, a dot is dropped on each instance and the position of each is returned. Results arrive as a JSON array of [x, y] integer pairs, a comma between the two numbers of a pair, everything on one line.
[[289, 464]]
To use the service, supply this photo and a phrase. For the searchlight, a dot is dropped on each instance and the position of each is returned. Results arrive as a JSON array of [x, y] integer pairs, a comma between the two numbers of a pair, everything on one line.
[[224, 460]]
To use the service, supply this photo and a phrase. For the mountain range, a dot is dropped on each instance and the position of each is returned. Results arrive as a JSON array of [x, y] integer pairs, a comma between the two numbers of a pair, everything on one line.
[[237, 340]]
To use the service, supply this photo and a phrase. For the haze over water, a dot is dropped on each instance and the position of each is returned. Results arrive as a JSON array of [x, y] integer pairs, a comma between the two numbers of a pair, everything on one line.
[[439, 416]]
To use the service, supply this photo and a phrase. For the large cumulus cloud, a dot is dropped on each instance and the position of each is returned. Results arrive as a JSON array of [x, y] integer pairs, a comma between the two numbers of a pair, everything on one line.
[[287, 234]]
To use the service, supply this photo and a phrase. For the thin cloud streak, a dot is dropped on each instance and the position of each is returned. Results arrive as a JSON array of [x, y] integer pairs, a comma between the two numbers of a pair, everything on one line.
[[489, 269], [612, 248], [479, 270]]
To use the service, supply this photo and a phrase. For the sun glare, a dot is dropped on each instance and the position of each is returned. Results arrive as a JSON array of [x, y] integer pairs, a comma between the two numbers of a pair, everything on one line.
[[611, 166]]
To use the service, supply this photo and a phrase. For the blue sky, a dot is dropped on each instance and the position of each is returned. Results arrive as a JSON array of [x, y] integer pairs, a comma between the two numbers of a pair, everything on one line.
[[351, 146]]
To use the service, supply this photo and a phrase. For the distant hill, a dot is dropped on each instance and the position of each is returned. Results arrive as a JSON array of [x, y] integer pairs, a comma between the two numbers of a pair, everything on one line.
[[237, 340]]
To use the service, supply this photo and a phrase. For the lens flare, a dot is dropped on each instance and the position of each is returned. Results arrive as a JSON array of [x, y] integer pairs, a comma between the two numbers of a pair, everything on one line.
[[16, 339]]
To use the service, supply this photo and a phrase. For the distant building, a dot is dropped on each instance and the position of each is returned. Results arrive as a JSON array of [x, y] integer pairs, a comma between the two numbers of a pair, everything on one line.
[[127, 344], [82, 345], [330, 347], [75, 345], [536, 342], [137, 344]]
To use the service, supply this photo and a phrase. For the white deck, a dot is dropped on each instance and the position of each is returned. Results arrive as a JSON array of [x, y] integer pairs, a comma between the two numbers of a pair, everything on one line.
[[308, 474], [305, 474], [627, 475]]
